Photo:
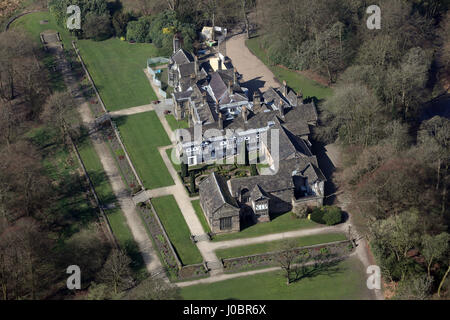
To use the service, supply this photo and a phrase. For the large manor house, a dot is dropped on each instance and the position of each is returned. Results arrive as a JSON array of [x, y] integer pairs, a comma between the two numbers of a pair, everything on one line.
[[226, 119]]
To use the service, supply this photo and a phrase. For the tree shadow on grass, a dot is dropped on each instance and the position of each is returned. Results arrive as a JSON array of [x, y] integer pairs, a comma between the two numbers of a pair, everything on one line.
[[323, 267]]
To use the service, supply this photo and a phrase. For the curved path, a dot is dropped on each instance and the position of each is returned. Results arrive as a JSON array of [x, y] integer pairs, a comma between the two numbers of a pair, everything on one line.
[[256, 75]]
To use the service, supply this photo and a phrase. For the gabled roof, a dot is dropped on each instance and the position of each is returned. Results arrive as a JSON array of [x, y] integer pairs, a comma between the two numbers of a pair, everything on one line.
[[258, 193], [214, 194], [181, 57]]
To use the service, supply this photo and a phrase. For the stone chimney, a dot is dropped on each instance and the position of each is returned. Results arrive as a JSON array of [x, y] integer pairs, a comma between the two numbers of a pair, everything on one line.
[[196, 66], [285, 88], [220, 122], [245, 114], [281, 109], [176, 43], [256, 99], [299, 99], [230, 87]]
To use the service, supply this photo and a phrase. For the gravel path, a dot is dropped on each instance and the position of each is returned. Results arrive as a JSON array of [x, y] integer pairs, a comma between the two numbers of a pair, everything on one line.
[[256, 75]]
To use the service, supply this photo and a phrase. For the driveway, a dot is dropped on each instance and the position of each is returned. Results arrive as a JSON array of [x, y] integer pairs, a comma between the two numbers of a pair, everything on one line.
[[256, 75]]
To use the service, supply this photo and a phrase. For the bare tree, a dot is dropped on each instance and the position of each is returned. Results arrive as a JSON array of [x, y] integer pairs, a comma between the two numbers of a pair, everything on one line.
[[116, 272]]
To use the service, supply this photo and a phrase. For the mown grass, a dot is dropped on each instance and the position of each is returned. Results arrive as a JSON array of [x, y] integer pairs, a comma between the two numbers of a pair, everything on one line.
[[282, 223], [296, 81], [278, 245], [173, 221], [201, 216], [343, 281], [142, 134], [175, 124], [117, 70], [31, 24]]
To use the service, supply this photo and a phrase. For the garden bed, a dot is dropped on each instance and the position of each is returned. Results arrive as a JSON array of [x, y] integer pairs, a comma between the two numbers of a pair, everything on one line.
[[119, 155]]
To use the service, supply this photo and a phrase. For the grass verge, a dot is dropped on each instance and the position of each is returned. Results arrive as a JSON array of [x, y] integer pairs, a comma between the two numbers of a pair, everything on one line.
[[278, 245], [295, 80]]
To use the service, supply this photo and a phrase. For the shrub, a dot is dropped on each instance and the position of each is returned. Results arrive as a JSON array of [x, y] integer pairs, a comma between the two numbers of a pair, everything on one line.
[[332, 215], [317, 215]]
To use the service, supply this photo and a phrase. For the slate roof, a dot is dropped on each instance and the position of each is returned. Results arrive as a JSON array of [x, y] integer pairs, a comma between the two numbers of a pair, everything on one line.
[[273, 98], [258, 193], [187, 69], [304, 166], [214, 193], [181, 57]]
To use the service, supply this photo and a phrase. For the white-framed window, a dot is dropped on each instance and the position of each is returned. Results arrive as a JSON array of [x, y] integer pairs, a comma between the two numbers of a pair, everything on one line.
[[261, 206]]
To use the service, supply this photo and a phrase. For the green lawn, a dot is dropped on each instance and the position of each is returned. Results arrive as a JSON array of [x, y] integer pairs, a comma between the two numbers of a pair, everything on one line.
[[117, 70], [346, 280], [175, 124], [142, 134], [283, 223], [106, 195], [173, 221], [201, 216], [176, 166], [296, 81], [278, 245], [30, 23]]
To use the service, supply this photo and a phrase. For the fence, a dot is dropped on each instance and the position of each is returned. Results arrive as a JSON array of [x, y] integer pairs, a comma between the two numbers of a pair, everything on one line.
[[155, 62]]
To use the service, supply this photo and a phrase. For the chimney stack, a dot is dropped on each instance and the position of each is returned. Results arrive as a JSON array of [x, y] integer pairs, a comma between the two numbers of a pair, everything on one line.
[[219, 64], [245, 114], [176, 43], [299, 99], [256, 99], [281, 109], [230, 87], [234, 76], [285, 88], [220, 122], [196, 65]]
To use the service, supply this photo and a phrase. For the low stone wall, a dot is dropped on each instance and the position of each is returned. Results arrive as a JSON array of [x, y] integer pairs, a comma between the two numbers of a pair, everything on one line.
[[269, 259]]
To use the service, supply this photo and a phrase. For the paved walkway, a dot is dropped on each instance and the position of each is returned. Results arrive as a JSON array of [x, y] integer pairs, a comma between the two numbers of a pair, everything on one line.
[[153, 265], [131, 111]]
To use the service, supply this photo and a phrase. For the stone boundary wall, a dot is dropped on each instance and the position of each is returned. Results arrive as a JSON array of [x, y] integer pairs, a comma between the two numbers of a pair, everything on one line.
[[338, 248]]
